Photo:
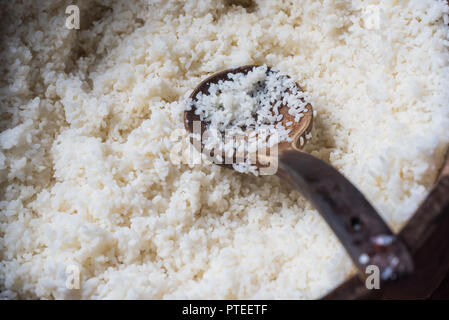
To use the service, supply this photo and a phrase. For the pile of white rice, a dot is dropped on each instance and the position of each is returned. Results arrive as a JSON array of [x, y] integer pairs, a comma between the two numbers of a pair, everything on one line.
[[86, 115]]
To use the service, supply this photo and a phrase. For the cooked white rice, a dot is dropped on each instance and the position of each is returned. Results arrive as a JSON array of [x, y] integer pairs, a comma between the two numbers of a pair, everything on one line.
[[85, 173]]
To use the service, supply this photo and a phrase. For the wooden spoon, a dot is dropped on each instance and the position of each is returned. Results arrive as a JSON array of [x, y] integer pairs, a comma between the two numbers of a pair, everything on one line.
[[366, 237]]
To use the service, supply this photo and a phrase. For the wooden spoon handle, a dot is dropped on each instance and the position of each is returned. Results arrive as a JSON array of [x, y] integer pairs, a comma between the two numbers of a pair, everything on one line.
[[363, 233]]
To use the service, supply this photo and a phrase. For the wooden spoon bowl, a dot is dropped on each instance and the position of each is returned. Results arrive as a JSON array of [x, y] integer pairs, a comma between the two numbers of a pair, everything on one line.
[[298, 129]]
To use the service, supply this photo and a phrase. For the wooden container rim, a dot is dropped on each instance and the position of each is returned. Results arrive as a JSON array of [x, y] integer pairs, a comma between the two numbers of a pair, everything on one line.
[[419, 236]]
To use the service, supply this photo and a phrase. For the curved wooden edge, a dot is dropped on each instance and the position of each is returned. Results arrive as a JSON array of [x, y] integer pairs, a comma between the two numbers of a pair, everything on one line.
[[423, 235], [445, 169]]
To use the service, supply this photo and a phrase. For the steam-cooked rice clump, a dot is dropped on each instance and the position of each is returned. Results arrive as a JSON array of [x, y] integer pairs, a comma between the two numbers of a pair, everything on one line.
[[86, 121]]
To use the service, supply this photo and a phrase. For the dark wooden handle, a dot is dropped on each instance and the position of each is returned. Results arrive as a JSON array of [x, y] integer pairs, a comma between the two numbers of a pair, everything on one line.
[[426, 237], [363, 233]]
